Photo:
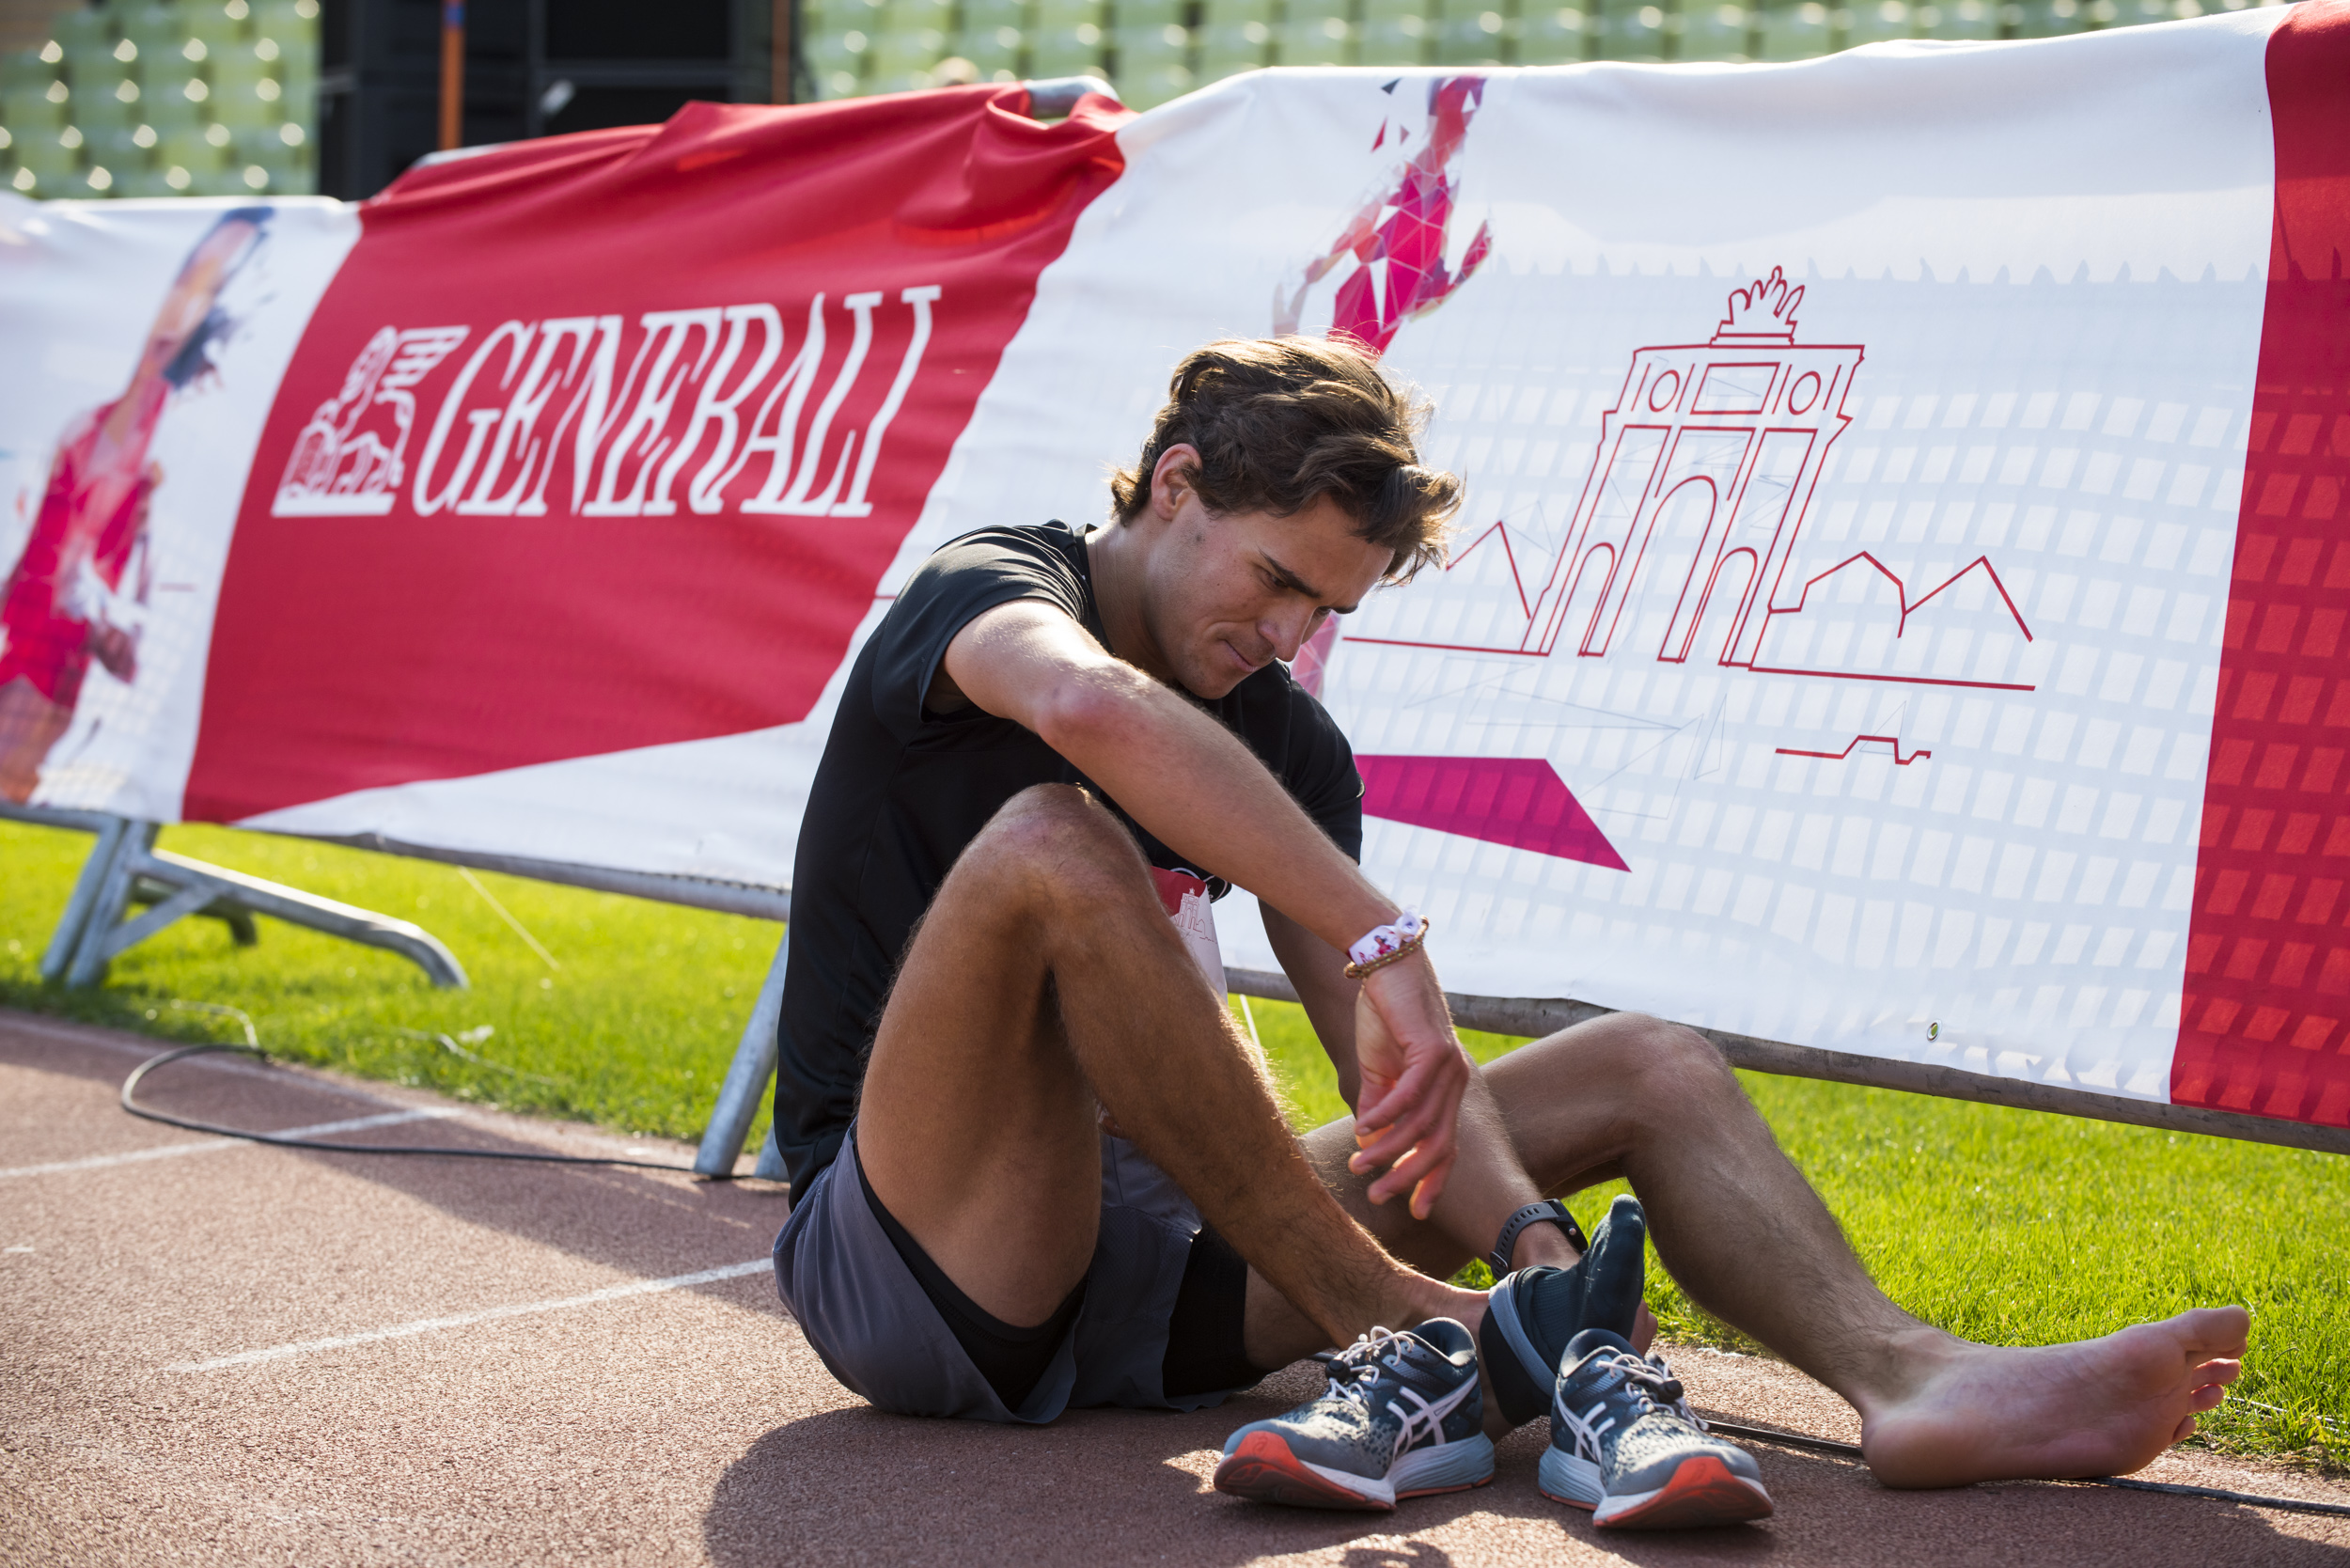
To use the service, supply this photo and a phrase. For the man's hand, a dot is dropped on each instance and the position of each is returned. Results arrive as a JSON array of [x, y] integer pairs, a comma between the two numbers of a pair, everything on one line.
[[1414, 1073]]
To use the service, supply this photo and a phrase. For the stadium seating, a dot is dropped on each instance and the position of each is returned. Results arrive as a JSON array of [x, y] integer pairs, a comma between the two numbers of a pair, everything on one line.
[[1717, 30], [1391, 39], [1311, 37], [1153, 59], [1975, 19], [165, 98], [1234, 35], [1630, 30], [1879, 21], [1155, 49]]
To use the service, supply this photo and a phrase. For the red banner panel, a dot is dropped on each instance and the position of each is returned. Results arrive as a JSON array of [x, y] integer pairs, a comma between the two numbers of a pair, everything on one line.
[[604, 442], [2265, 1025]]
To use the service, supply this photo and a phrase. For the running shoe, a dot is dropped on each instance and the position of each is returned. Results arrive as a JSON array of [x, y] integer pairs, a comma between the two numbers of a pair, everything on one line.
[[1533, 1313], [1624, 1444], [1401, 1417]]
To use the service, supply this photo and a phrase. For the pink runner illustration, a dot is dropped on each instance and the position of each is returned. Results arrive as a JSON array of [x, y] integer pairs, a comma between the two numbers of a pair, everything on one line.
[[78, 591], [1397, 243], [1398, 238]]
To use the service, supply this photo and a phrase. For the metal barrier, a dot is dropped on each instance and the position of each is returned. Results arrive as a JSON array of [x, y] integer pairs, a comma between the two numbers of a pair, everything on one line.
[[745, 1085], [125, 868], [754, 1065]]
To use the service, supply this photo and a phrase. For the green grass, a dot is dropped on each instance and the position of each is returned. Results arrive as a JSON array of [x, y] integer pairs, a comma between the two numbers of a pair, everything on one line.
[[2000, 1225], [634, 1029]]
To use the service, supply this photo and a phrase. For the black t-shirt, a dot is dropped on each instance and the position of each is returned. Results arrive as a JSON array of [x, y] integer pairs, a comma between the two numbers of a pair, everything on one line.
[[900, 791]]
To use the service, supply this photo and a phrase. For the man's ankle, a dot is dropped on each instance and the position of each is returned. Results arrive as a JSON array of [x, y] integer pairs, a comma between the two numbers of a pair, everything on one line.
[[1897, 1366], [1543, 1247], [1434, 1299]]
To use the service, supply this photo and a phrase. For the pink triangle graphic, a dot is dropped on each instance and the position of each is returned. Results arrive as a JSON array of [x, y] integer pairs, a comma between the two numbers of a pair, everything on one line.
[[1521, 802]]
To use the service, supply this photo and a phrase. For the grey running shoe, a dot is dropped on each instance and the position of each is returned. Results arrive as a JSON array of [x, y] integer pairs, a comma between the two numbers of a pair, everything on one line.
[[1624, 1444], [1531, 1315], [1401, 1417]]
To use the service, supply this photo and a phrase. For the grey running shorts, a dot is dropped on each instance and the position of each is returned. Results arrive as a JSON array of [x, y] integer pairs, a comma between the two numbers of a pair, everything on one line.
[[879, 1333]]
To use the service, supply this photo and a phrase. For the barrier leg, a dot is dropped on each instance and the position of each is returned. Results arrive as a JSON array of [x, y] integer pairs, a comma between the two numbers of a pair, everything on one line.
[[95, 947], [242, 931], [77, 908], [176, 886], [746, 1079], [233, 892]]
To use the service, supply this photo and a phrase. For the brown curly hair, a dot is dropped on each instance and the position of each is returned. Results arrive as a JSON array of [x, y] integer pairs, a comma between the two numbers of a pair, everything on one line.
[[1280, 422]]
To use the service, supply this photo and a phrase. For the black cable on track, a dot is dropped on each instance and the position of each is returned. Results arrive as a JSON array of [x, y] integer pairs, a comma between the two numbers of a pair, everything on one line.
[[1852, 1450], [130, 1103]]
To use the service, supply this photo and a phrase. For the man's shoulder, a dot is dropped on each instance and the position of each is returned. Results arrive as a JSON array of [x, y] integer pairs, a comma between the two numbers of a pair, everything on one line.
[[1014, 546], [975, 571]]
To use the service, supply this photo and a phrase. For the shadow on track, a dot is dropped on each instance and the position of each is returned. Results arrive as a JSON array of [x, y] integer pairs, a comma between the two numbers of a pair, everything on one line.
[[1109, 1486]]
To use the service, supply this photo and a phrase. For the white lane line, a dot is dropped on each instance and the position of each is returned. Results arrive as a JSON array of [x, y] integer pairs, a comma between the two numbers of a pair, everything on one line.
[[427, 1326], [203, 1146]]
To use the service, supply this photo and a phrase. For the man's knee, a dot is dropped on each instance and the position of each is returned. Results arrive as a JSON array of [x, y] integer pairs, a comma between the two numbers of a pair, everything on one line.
[[1057, 842], [1664, 1072]]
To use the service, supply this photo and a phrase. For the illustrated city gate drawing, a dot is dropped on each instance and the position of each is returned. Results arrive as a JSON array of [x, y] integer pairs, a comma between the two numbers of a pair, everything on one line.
[[1704, 469]]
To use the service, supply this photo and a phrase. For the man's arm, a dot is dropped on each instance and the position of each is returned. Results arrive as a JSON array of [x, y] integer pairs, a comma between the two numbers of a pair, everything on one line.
[[1197, 789], [1489, 1183]]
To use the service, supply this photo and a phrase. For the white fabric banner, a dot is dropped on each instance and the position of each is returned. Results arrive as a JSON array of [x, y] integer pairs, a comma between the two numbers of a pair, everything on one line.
[[1836, 647]]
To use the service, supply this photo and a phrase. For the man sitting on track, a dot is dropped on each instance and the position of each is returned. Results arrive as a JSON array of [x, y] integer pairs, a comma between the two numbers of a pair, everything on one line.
[[1034, 1165]]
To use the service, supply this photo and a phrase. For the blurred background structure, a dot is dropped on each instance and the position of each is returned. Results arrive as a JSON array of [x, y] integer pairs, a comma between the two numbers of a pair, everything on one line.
[[200, 97], [1154, 50], [209, 97], [214, 97]]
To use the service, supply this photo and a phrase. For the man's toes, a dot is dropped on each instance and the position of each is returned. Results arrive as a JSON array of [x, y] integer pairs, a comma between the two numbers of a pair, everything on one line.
[[2219, 1372], [2208, 1397], [2185, 1430], [2218, 1332]]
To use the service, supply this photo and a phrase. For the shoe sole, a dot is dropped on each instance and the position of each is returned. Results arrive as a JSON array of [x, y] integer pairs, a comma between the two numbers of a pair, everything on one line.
[[1263, 1468], [1703, 1491], [1564, 1477]]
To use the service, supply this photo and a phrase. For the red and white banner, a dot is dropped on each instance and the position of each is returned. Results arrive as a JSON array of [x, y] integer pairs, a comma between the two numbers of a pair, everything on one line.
[[1899, 604]]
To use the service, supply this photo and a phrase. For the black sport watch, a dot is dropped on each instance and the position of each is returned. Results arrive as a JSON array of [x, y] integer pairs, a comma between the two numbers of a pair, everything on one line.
[[1549, 1210]]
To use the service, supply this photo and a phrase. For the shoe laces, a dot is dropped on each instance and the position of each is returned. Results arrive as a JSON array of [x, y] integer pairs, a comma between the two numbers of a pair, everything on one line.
[[1677, 1398], [1353, 1369], [1653, 1383]]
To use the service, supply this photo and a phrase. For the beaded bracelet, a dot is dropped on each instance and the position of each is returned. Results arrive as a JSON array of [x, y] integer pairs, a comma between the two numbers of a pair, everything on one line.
[[1387, 944]]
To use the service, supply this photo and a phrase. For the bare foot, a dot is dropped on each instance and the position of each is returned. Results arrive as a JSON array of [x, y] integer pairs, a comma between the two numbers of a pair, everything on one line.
[[2100, 1407]]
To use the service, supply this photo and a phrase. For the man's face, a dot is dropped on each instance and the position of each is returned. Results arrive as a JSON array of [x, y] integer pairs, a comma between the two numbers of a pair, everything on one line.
[[1225, 596]]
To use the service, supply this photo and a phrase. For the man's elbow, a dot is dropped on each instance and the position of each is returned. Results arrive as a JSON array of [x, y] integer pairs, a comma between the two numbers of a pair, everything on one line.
[[1093, 712]]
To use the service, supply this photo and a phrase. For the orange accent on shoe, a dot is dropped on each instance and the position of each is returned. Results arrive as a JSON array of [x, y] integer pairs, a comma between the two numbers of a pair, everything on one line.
[[1570, 1502], [1439, 1491], [1703, 1491], [1263, 1468]]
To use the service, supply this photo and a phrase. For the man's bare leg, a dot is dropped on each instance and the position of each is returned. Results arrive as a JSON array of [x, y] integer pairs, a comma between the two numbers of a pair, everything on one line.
[[1045, 974], [1744, 1233]]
